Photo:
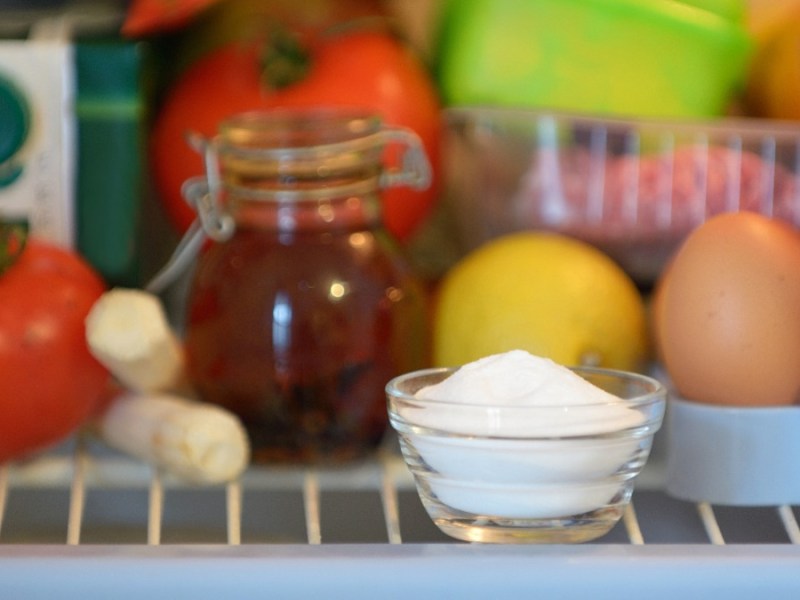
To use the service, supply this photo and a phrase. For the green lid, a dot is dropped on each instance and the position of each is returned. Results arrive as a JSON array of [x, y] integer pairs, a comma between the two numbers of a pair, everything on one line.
[[731, 10]]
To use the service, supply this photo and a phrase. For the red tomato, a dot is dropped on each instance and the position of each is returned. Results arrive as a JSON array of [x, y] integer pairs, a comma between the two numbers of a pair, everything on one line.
[[49, 382], [149, 16], [362, 68]]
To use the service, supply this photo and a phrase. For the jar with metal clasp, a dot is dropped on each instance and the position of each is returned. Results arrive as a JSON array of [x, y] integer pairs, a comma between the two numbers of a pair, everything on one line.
[[304, 307]]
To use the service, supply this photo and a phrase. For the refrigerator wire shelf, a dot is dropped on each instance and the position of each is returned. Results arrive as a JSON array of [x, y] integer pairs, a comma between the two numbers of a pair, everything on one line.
[[357, 528]]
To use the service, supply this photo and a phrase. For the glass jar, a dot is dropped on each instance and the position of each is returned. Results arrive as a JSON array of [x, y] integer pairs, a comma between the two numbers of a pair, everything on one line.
[[304, 308]]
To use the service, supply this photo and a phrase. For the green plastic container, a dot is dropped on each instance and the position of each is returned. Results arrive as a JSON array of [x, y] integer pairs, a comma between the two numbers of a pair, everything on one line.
[[654, 58], [110, 112]]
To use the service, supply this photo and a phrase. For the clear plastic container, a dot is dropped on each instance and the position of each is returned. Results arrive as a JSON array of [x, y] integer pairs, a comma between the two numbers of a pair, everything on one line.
[[634, 188]]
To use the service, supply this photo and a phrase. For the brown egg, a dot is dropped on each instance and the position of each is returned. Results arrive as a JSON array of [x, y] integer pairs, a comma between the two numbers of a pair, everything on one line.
[[726, 313]]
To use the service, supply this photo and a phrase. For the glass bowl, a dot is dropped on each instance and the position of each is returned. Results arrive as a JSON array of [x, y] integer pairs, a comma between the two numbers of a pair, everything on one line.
[[526, 474]]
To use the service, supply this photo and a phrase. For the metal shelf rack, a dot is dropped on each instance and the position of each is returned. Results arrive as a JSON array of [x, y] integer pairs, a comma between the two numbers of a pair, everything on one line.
[[82, 522]]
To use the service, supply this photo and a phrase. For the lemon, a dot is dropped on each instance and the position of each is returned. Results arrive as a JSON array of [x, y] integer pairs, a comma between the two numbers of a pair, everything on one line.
[[546, 293], [772, 88]]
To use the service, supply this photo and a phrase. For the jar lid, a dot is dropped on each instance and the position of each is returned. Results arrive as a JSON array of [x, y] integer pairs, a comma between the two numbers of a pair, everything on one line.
[[302, 154], [299, 153], [298, 132]]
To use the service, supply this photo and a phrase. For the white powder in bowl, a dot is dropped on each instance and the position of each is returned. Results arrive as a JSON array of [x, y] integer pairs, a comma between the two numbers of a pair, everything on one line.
[[534, 397]]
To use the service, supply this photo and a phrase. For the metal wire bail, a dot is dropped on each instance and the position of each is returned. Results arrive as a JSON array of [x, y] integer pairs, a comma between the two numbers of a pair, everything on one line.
[[414, 170], [204, 193]]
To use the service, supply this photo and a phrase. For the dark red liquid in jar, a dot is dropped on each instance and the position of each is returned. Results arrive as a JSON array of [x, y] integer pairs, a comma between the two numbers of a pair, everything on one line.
[[299, 332]]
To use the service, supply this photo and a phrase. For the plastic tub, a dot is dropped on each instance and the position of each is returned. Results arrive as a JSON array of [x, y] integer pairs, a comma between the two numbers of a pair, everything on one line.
[[634, 188], [622, 57]]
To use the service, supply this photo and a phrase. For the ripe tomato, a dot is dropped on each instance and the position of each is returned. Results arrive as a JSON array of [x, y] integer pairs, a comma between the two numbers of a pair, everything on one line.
[[149, 16], [49, 382], [358, 67]]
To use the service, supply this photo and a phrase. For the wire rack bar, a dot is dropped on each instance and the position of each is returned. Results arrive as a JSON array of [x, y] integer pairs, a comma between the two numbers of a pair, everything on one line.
[[3, 493], [155, 508], [790, 523], [233, 503], [631, 523], [312, 507], [390, 503], [77, 498], [710, 523]]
